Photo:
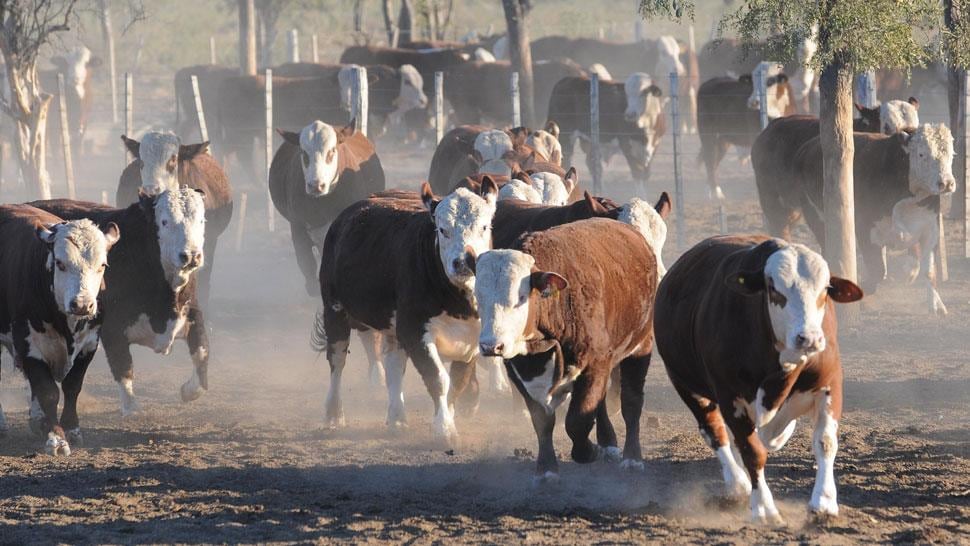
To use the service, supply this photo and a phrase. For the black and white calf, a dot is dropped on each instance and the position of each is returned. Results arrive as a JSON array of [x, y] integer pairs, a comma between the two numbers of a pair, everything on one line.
[[150, 299], [52, 274], [405, 267]]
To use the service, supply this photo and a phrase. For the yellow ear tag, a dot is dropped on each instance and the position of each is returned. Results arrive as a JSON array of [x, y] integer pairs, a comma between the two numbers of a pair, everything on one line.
[[740, 280]]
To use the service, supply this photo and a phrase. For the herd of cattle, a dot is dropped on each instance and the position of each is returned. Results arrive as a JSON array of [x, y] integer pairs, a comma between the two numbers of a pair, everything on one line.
[[500, 258]]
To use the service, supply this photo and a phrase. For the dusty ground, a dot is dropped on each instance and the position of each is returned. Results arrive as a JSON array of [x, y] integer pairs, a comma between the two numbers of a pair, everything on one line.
[[251, 461]]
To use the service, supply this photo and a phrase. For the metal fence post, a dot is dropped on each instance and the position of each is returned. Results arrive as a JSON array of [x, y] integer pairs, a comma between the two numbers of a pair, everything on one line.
[[293, 45], [594, 134], [359, 109], [866, 89], [203, 130], [315, 49], [760, 81], [66, 139], [439, 107], [270, 211], [212, 50], [516, 111], [678, 180]]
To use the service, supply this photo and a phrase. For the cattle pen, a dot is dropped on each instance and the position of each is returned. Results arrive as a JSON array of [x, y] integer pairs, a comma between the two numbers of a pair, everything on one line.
[[251, 450]]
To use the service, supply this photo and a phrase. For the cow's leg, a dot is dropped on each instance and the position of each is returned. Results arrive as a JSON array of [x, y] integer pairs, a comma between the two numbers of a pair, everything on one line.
[[303, 246], [118, 352], [72, 388], [44, 396], [424, 355], [613, 399], [371, 340], [753, 455], [4, 427], [825, 443], [543, 422], [711, 425], [337, 329], [497, 378], [776, 425], [464, 388], [713, 151], [395, 361], [588, 391], [873, 268], [928, 244], [198, 342], [606, 434], [633, 376]]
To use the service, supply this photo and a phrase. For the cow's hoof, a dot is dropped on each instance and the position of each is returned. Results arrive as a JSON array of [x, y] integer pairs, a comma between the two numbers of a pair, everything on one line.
[[337, 421], [191, 391], [74, 437], [546, 479], [129, 408], [824, 507], [738, 490], [633, 465], [611, 454], [445, 434], [774, 520], [57, 446]]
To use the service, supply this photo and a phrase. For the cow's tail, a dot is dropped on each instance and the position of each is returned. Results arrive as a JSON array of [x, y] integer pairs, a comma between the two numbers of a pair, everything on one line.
[[318, 335]]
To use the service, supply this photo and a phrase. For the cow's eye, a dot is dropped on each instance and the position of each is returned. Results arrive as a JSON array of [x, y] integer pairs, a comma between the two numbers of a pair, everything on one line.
[[164, 223], [60, 265], [103, 267], [523, 298], [485, 228], [442, 232]]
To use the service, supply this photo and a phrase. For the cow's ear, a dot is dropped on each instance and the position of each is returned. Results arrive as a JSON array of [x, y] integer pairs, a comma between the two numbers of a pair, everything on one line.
[[347, 131], [571, 180], [914, 101], [132, 145], [188, 151], [427, 197], [547, 283], [747, 284], [289, 136], [859, 108], [594, 205], [552, 128], [489, 189], [112, 234], [47, 233], [663, 205], [843, 290]]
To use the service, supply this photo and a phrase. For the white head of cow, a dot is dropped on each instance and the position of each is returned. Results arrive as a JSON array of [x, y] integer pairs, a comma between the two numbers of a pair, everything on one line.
[[644, 106], [319, 145], [650, 221], [78, 257], [778, 95], [930, 160], [553, 188], [798, 285], [518, 189], [412, 90], [492, 144], [160, 153], [668, 57], [180, 221], [507, 283], [463, 229], [899, 115], [546, 144]]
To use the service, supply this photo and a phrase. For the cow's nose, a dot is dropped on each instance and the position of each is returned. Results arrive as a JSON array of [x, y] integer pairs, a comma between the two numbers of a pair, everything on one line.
[[810, 342], [491, 349], [948, 185], [191, 259], [82, 308], [459, 265]]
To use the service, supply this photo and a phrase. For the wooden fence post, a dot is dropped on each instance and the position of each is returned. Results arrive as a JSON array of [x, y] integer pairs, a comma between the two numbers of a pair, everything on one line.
[[270, 211], [359, 108], [66, 139], [128, 112], [241, 220], [315, 49], [212, 50], [866, 89], [293, 45], [439, 107], [678, 180], [594, 134], [104, 197], [760, 81], [203, 130], [516, 104]]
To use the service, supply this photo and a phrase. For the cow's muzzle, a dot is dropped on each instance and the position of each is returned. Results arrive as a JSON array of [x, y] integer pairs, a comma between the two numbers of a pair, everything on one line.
[[491, 348]]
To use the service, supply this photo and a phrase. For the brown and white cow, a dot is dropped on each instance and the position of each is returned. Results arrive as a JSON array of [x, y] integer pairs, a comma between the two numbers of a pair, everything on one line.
[[887, 170], [53, 274], [163, 163], [747, 330], [422, 304], [726, 116], [564, 308], [314, 175], [631, 113]]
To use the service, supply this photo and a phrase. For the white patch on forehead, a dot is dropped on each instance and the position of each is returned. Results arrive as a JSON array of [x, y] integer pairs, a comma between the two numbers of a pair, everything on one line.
[[641, 215], [502, 289], [464, 222], [517, 189], [318, 141], [897, 115], [180, 219], [801, 276], [546, 145], [156, 151], [493, 144], [82, 249], [931, 160], [496, 166], [551, 187]]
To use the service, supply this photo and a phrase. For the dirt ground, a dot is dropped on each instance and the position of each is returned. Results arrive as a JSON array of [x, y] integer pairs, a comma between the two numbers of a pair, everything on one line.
[[252, 462]]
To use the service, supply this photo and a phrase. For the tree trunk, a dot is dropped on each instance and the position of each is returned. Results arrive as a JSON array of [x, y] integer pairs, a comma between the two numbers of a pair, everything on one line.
[[520, 53], [838, 151], [107, 34], [405, 22], [247, 37], [388, 22], [28, 108], [358, 16], [955, 81]]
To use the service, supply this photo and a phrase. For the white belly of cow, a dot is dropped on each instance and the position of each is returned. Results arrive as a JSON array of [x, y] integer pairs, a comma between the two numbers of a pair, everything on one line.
[[455, 339], [141, 333], [50, 347]]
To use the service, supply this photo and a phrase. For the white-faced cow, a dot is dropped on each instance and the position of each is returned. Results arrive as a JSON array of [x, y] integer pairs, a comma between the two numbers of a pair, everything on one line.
[[887, 169], [163, 163], [747, 330], [422, 303], [315, 174], [49, 316], [150, 295], [564, 308], [631, 113]]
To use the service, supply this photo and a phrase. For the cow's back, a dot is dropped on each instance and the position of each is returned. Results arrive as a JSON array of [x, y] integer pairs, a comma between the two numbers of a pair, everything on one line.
[[454, 158], [514, 218], [773, 152]]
